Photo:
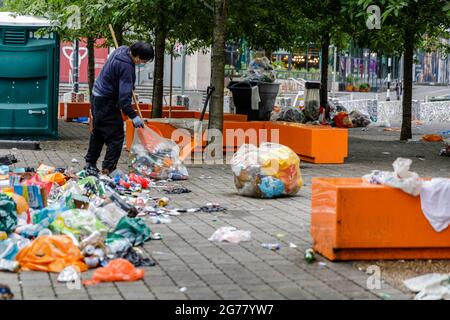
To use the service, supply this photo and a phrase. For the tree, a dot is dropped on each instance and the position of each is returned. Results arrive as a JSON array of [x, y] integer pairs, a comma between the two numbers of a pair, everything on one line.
[[323, 25], [406, 26]]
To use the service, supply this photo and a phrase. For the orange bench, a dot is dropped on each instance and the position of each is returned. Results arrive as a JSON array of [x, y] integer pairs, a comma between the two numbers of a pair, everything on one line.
[[354, 220], [316, 144], [72, 110]]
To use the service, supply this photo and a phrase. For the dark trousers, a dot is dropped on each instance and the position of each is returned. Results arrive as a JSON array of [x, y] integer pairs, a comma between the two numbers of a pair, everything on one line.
[[107, 129]]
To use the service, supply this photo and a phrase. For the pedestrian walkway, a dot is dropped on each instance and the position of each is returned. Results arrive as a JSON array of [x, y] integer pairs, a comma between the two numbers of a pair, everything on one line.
[[191, 267]]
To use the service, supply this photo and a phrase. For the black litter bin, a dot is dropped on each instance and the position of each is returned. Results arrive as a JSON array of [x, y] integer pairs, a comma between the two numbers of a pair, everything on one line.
[[242, 98], [268, 93]]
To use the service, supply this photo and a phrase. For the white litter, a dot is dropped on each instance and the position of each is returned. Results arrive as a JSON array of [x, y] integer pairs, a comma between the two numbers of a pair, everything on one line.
[[401, 178], [183, 289], [75, 160], [291, 245], [435, 202], [432, 286], [230, 234]]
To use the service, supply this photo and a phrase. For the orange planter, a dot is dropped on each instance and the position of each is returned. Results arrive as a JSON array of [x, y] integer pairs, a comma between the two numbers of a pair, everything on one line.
[[311, 143], [354, 220], [316, 144], [72, 110]]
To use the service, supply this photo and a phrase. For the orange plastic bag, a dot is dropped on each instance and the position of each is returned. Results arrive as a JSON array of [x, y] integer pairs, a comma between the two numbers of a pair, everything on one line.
[[342, 120], [116, 270], [57, 177], [432, 138], [51, 254]]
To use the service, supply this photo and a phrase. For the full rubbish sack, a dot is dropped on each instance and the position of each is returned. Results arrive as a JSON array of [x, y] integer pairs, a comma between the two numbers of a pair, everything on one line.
[[116, 270], [359, 119], [401, 178], [153, 156], [432, 286], [51, 254], [342, 120], [260, 69], [292, 114], [133, 229], [270, 171], [8, 214], [230, 234]]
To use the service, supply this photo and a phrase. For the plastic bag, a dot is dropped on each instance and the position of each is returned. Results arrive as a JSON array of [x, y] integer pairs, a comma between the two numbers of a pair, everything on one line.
[[8, 249], [51, 254], [359, 119], [432, 138], [83, 220], [57, 177], [110, 214], [69, 274], [432, 286], [230, 234], [270, 171], [292, 114], [133, 229], [116, 270], [155, 157], [342, 120], [261, 70], [401, 178], [8, 214]]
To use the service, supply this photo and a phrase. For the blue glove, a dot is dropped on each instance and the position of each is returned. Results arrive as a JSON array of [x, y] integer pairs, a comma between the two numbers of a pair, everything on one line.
[[137, 122]]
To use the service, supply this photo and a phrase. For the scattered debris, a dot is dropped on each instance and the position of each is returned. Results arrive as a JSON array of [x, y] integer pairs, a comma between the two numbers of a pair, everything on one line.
[[309, 256], [183, 289], [292, 245], [271, 246], [230, 234], [432, 286]]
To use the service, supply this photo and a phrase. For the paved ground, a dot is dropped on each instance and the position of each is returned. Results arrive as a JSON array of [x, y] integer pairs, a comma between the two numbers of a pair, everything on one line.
[[185, 258]]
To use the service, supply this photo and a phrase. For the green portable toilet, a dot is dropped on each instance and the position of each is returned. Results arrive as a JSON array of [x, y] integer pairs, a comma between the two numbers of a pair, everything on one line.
[[29, 77]]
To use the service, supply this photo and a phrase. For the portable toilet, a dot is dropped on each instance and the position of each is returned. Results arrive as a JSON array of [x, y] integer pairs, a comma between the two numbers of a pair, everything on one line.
[[29, 76]]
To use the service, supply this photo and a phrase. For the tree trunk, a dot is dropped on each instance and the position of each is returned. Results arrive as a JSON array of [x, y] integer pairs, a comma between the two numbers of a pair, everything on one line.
[[324, 72], [118, 30], [406, 132], [91, 63], [158, 78], [218, 66]]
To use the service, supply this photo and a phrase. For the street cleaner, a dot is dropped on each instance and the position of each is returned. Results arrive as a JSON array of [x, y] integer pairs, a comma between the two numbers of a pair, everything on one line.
[[112, 95]]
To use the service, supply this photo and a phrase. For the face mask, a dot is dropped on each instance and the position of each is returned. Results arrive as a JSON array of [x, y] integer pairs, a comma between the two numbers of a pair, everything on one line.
[[141, 65]]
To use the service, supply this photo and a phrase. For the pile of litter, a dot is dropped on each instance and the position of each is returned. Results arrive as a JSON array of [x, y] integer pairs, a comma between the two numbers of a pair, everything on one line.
[[59, 220]]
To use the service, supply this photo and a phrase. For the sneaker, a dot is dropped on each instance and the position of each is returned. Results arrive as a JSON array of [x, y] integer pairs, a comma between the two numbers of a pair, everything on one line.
[[105, 172], [91, 170]]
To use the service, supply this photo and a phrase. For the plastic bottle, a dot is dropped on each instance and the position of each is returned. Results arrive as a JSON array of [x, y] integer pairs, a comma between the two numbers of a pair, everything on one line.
[[159, 220], [8, 265], [271, 246], [128, 208], [309, 256]]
